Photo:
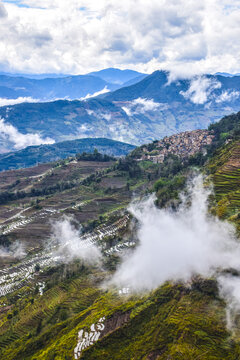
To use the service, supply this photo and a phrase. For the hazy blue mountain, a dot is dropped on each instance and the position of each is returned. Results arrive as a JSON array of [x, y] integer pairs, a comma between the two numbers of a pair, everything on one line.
[[35, 76], [33, 155], [117, 76], [152, 87], [63, 119], [71, 87], [136, 114], [59, 86], [134, 80], [9, 93], [156, 87]]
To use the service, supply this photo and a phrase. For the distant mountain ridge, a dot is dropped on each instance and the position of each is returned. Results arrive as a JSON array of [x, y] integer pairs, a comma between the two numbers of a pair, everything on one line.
[[33, 155], [34, 76], [44, 87], [147, 110], [71, 87], [117, 76]]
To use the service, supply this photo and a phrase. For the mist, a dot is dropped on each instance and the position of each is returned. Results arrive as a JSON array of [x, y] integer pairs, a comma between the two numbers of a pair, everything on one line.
[[15, 250], [67, 234], [176, 245]]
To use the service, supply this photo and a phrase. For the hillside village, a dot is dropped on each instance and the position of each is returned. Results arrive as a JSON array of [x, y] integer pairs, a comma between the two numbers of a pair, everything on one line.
[[184, 145]]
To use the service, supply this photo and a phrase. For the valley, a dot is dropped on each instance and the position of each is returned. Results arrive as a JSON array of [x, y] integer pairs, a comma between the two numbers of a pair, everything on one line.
[[119, 180], [55, 304]]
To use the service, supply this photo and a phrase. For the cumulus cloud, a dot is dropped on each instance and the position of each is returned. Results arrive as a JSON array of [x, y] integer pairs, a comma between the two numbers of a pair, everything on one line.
[[71, 244], [185, 37], [177, 245], [141, 106], [88, 96], [200, 89], [19, 100], [227, 96], [11, 134]]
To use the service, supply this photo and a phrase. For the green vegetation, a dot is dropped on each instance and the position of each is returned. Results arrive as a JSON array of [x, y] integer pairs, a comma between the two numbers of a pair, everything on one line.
[[224, 168], [95, 156], [174, 322], [228, 127]]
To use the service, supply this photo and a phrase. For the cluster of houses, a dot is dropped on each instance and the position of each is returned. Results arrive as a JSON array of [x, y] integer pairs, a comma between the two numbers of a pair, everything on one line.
[[184, 145]]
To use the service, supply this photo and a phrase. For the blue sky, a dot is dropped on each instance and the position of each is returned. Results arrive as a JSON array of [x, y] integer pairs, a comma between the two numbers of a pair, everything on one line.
[[18, 3]]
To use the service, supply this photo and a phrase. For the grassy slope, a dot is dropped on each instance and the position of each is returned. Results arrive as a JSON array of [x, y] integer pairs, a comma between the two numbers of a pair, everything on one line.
[[172, 323]]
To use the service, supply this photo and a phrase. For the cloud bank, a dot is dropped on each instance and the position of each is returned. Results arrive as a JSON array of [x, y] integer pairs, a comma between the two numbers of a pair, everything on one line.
[[71, 37], [19, 100], [11, 134]]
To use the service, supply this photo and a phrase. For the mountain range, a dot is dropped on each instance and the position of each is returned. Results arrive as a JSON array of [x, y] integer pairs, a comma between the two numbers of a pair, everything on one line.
[[43, 88], [150, 109]]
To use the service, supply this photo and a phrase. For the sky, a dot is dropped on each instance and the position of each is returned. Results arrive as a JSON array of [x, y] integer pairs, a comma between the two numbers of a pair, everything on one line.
[[78, 36]]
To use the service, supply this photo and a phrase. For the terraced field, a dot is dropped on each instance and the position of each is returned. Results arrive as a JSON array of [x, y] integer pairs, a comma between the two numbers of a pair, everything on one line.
[[29, 218], [22, 282], [55, 307], [225, 167]]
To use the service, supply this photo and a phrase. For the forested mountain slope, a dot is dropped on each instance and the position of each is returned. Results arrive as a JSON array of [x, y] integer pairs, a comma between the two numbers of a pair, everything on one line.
[[33, 155]]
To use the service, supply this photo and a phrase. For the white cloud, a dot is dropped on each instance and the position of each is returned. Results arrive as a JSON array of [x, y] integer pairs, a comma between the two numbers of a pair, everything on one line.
[[71, 244], [72, 37], [11, 134], [88, 96], [177, 245], [141, 106], [19, 100], [227, 96], [200, 89]]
